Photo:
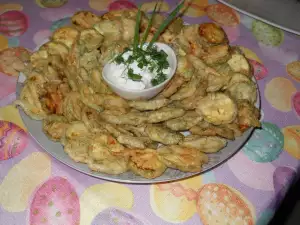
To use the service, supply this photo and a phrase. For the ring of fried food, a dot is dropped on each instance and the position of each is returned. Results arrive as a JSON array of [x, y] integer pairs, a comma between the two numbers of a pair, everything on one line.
[[211, 95]]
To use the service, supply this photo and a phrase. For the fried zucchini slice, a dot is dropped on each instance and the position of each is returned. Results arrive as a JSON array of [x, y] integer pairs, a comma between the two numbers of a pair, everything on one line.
[[66, 36], [212, 33], [90, 39], [84, 19], [110, 29], [239, 63], [217, 108], [55, 48], [216, 54]]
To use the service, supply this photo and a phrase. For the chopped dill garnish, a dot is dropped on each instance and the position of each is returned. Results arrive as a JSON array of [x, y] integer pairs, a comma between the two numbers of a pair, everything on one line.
[[148, 57]]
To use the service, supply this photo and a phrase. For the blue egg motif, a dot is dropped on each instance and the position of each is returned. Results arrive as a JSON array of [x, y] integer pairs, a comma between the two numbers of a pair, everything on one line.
[[265, 217], [208, 177], [13, 42], [266, 144], [60, 23], [112, 216]]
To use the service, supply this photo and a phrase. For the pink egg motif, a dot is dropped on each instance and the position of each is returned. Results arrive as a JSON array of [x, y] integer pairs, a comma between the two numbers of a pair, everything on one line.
[[233, 33], [296, 103], [13, 23], [13, 140], [41, 37], [55, 202], [121, 4], [259, 70], [282, 177], [243, 168], [53, 14]]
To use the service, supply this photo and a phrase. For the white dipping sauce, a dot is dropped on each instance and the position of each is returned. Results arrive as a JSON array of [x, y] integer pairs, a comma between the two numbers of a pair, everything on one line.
[[118, 74]]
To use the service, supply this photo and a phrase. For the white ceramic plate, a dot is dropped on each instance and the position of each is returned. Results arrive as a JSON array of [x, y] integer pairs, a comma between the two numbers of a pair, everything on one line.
[[284, 14]]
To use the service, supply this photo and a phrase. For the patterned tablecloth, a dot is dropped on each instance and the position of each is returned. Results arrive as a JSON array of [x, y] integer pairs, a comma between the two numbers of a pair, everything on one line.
[[36, 189]]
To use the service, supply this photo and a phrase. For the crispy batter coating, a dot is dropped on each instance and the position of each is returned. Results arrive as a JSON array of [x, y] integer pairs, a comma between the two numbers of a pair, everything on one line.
[[149, 105], [185, 122], [207, 144], [211, 96], [163, 114], [182, 158], [217, 108], [163, 135], [146, 163]]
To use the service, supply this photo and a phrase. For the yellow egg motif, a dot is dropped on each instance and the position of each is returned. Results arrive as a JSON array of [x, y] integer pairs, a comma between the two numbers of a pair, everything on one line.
[[99, 197], [250, 54], [175, 202], [52, 3], [278, 93], [293, 69], [11, 114], [99, 5], [10, 6], [196, 8], [149, 6], [3, 42], [292, 140], [223, 15], [22, 179]]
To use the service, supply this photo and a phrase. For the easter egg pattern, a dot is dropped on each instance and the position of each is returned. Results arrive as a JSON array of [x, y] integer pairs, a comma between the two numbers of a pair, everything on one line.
[[282, 177], [13, 23], [243, 169], [196, 8], [99, 5], [267, 34], [265, 217], [121, 4], [60, 23], [3, 42], [219, 204], [265, 144], [223, 15], [113, 216], [13, 42], [53, 3], [250, 54], [293, 69], [10, 6], [13, 140], [149, 6], [233, 33], [278, 93], [99, 197], [55, 202], [22, 179], [11, 113], [292, 140], [296, 103], [259, 70], [41, 37], [175, 202]]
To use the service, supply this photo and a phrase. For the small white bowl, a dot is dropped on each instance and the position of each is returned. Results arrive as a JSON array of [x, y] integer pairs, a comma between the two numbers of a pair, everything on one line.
[[148, 92]]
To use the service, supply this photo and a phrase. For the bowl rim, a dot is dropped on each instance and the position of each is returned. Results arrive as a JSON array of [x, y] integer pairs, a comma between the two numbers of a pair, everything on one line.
[[151, 88]]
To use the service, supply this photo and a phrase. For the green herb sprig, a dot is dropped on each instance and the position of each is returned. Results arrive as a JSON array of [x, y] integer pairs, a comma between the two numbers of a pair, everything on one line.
[[137, 30], [150, 57], [149, 25], [169, 19]]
